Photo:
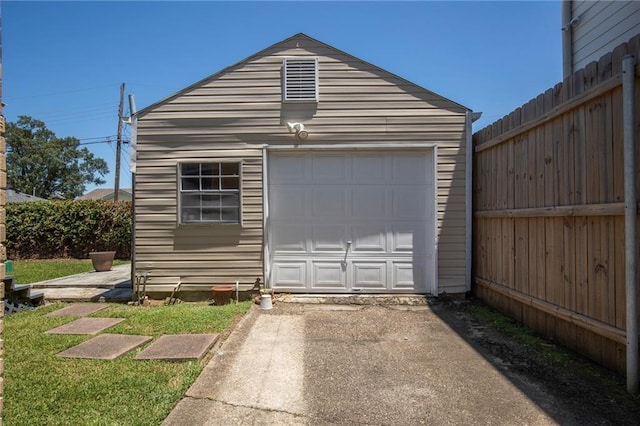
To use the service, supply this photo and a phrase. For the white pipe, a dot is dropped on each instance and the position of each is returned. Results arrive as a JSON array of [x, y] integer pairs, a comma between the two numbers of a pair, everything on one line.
[[266, 257], [630, 221]]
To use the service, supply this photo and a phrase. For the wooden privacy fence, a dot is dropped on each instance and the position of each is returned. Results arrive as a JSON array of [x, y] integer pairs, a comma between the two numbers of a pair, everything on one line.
[[548, 190]]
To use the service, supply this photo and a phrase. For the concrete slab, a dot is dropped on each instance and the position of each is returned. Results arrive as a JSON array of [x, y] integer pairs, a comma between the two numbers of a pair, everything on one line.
[[368, 366], [261, 368], [105, 346], [192, 411], [86, 326], [87, 294], [179, 347], [77, 310], [118, 276]]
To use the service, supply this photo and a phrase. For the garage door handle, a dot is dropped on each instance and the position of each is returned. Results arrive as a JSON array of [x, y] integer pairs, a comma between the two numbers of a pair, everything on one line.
[[346, 252]]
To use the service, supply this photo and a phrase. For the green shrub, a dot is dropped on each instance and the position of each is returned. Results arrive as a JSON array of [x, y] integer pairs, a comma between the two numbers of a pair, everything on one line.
[[71, 228]]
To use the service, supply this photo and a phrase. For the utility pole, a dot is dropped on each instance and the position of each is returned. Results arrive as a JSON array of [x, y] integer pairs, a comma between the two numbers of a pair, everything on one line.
[[116, 188]]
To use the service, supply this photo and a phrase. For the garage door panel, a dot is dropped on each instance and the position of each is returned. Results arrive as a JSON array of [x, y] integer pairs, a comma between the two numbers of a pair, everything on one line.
[[369, 238], [290, 237], [370, 275], [409, 169], [369, 203], [290, 202], [328, 238], [409, 203], [403, 276], [329, 168], [290, 274], [291, 169], [329, 202], [370, 169], [329, 275], [409, 237]]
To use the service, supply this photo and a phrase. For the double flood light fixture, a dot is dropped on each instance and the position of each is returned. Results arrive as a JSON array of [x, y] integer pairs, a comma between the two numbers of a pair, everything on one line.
[[301, 133]]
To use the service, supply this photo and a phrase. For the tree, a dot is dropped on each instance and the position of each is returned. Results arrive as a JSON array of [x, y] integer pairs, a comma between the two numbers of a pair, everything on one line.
[[41, 164]]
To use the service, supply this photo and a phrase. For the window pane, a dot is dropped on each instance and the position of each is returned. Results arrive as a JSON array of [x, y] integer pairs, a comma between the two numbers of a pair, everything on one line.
[[212, 200], [190, 184], [210, 184], [210, 169], [230, 215], [190, 169], [230, 169], [190, 215], [230, 183], [211, 215], [230, 200], [190, 200]]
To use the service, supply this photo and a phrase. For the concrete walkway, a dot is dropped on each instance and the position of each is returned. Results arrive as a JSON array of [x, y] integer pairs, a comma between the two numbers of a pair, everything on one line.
[[109, 286], [302, 364]]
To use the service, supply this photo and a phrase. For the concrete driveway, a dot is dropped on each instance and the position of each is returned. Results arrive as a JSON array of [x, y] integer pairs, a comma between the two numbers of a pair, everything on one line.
[[345, 364]]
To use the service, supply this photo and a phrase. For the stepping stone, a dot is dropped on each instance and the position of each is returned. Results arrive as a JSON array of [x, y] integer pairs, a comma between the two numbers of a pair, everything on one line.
[[105, 346], [179, 347], [86, 326], [77, 310]]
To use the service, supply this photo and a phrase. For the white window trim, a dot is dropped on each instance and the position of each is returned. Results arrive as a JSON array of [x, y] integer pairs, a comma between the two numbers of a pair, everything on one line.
[[179, 192]]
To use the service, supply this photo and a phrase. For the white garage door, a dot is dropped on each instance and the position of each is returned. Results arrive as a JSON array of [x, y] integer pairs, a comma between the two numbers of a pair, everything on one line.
[[342, 222]]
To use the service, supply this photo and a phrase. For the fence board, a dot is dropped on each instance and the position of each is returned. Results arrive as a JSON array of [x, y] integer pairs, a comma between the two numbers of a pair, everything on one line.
[[567, 333]]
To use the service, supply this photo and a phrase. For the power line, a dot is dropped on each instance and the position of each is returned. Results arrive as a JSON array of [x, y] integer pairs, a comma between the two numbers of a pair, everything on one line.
[[97, 137], [41, 95]]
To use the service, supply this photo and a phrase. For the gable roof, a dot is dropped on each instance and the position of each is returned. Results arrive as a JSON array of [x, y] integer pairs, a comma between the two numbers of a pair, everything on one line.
[[299, 37], [14, 196], [103, 194]]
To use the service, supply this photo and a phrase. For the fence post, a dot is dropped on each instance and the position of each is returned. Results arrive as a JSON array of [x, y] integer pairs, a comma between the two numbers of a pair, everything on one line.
[[630, 221]]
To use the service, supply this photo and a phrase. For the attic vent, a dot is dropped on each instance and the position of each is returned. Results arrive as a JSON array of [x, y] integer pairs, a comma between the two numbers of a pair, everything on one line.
[[300, 79]]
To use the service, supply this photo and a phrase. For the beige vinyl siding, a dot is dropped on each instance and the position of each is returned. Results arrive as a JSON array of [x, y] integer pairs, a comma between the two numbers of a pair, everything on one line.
[[232, 114], [603, 26]]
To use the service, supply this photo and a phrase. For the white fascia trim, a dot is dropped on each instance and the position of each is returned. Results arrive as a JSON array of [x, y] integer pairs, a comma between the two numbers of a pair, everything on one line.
[[435, 288], [352, 146]]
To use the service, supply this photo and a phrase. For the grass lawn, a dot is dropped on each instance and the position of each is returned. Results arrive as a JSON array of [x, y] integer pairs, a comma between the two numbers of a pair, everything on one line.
[[43, 389], [31, 271]]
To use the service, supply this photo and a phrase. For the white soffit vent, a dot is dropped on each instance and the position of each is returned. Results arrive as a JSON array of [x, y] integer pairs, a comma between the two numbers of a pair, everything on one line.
[[300, 79]]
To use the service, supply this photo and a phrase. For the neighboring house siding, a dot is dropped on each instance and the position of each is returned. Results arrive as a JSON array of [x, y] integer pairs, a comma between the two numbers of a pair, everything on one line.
[[603, 25], [233, 113]]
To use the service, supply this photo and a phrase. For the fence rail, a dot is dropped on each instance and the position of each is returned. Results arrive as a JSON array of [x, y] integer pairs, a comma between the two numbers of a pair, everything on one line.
[[548, 190]]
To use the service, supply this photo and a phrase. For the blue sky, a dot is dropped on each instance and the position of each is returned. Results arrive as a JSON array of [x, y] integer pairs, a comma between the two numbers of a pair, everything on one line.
[[63, 62]]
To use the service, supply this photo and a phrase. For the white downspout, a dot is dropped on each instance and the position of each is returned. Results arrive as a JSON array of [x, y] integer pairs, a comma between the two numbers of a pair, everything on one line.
[[630, 221], [266, 258]]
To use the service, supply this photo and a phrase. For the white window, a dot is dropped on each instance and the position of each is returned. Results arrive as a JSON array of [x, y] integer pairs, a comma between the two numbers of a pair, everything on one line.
[[209, 192], [300, 79]]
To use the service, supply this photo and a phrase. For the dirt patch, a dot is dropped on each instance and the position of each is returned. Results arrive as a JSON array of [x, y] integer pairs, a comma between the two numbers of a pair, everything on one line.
[[577, 390]]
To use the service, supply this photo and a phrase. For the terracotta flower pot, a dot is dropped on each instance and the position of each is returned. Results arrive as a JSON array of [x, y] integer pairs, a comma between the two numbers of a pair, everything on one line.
[[222, 294], [102, 260]]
